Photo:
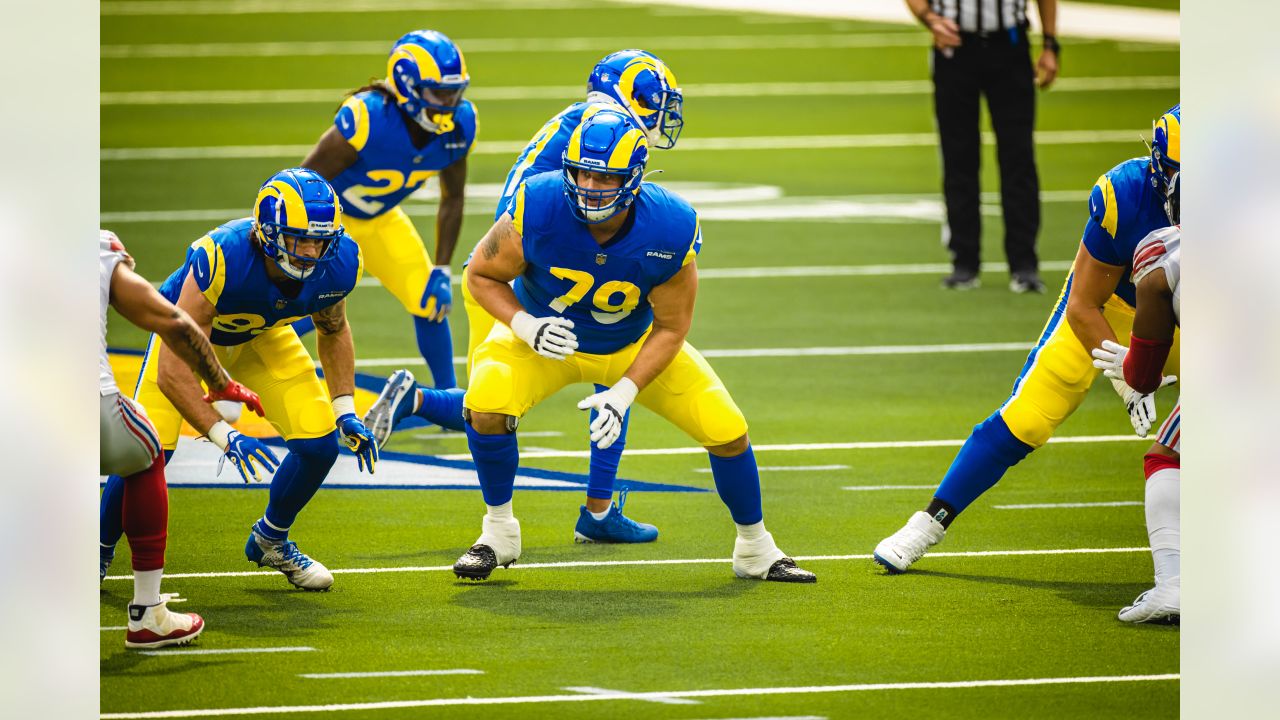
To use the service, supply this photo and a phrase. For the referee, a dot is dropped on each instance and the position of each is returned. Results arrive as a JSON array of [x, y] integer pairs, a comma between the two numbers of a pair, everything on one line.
[[980, 47]]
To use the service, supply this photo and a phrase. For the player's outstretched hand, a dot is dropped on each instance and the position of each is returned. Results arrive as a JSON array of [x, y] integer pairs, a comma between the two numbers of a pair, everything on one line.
[[1110, 359], [1141, 407], [437, 299], [360, 440], [245, 453], [611, 407], [235, 392], [551, 337]]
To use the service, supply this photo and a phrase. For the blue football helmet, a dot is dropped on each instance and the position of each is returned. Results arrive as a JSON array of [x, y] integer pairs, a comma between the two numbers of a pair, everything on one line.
[[428, 75], [646, 88], [607, 142], [1166, 160], [297, 206]]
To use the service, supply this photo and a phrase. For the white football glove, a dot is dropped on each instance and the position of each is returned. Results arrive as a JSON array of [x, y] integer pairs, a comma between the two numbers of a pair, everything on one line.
[[551, 337], [1110, 359], [612, 407], [1142, 408]]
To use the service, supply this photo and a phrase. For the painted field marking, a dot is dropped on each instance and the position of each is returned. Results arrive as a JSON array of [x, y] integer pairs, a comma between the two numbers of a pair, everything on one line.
[[522, 93], [613, 563], [1043, 506], [624, 694], [890, 487], [225, 651], [303, 7], [113, 628], [728, 692], [388, 673], [789, 468]]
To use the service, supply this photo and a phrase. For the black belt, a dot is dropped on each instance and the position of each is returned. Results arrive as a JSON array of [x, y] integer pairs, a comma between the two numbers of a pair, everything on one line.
[[1008, 36]]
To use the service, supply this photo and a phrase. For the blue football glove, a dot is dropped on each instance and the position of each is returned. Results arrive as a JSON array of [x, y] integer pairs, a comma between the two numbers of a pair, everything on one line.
[[245, 453], [360, 440], [437, 299]]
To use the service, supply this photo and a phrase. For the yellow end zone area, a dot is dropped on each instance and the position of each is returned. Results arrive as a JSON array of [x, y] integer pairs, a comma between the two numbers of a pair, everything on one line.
[[128, 366]]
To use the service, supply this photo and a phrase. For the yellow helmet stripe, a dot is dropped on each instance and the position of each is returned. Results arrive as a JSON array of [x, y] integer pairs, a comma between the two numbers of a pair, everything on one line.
[[294, 208], [627, 82], [572, 150], [620, 158], [1173, 130]]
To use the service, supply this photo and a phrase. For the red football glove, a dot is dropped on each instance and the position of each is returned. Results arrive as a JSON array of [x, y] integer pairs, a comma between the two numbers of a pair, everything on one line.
[[236, 392]]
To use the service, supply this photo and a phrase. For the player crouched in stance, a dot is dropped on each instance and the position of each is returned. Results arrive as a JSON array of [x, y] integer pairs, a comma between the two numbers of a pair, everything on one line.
[[1157, 270], [131, 450], [600, 289], [243, 284], [1097, 304]]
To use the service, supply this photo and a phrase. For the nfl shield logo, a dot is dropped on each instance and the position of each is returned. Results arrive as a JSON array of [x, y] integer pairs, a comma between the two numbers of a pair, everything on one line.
[[600, 258], [281, 303]]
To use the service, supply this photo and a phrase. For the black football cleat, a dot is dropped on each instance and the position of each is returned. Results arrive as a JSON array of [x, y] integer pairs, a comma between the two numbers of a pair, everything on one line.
[[785, 570], [477, 563]]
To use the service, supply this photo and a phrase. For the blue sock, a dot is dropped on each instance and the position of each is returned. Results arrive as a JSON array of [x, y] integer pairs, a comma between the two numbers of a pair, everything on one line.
[[296, 481], [988, 453], [304, 325], [604, 463], [442, 407], [111, 509], [497, 457], [436, 345], [738, 482]]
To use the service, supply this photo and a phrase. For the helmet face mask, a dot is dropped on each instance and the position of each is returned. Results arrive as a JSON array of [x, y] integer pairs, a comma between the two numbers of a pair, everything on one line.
[[642, 85], [606, 144], [594, 205], [428, 75], [1166, 156], [298, 221]]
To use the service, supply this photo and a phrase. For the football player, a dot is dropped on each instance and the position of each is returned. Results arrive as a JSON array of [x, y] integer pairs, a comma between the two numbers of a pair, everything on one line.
[[129, 447], [244, 284], [591, 276], [1096, 304], [641, 85], [1157, 271], [387, 139]]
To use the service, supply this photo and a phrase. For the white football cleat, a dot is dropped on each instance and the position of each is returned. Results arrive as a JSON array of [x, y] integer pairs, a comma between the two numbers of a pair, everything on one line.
[[498, 545], [753, 558], [1159, 605], [898, 551], [154, 626], [301, 570]]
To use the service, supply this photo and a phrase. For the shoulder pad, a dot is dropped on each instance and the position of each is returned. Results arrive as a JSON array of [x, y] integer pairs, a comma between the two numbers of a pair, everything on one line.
[[1154, 251], [1102, 205], [209, 267], [352, 121]]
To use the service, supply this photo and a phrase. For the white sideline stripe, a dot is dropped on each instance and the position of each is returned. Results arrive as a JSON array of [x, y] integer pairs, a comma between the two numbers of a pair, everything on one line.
[[803, 447], [389, 673], [776, 353], [520, 44], [299, 7], [727, 692], [762, 142], [293, 96], [622, 694], [889, 487], [1043, 506], [113, 628], [614, 563], [226, 651], [790, 468]]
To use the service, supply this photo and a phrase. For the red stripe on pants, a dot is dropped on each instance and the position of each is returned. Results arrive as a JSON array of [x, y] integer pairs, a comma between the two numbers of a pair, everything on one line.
[[146, 515]]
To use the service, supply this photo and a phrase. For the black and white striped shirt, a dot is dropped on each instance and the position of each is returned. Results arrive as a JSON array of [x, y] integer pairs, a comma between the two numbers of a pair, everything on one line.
[[981, 16]]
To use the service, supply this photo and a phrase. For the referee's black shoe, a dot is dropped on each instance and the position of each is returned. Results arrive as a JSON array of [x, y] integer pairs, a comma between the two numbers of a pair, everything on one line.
[[961, 279]]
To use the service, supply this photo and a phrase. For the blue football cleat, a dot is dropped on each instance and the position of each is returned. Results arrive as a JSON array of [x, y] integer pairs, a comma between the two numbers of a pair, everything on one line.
[[284, 555], [106, 553], [614, 528], [394, 404]]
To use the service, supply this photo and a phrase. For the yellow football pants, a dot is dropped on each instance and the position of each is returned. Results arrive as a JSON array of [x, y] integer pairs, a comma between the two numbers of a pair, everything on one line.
[[393, 252], [275, 365], [1059, 372]]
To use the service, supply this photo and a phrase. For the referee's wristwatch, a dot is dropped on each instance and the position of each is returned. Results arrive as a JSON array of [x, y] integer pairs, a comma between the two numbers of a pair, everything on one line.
[[1051, 43]]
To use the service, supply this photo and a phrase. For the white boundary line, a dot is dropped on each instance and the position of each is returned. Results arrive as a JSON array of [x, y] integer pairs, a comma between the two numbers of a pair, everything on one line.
[[790, 468], [623, 694], [388, 673], [517, 93], [1046, 506], [615, 563], [113, 628], [661, 695], [225, 651], [308, 7], [889, 487]]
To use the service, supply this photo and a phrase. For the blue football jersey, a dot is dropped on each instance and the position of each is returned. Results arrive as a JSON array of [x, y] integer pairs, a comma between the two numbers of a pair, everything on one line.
[[1124, 206], [544, 151], [603, 289], [231, 272], [390, 167]]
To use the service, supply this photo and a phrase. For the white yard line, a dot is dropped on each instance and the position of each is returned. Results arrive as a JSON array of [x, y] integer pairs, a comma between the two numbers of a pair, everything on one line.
[[389, 673], [520, 93], [726, 692], [1046, 506], [790, 468], [889, 487], [615, 563], [176, 652], [622, 694], [344, 7], [113, 628]]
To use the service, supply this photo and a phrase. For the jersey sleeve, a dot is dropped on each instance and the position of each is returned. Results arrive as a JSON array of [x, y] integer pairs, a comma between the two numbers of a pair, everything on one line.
[[470, 121], [111, 252], [695, 245], [1155, 252], [352, 122], [1104, 220], [209, 268]]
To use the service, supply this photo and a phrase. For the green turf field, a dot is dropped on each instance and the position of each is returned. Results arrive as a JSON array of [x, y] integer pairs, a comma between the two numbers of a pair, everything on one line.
[[821, 228]]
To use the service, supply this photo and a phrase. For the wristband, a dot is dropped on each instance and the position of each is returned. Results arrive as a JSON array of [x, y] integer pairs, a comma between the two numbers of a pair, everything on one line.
[[444, 269], [344, 405], [1144, 363], [1051, 44], [220, 434], [627, 389]]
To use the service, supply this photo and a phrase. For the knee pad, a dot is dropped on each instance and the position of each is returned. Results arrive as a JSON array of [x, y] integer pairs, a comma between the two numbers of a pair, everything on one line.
[[491, 387]]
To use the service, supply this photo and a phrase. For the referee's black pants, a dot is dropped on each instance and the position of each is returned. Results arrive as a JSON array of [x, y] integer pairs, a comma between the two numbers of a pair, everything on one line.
[[998, 66]]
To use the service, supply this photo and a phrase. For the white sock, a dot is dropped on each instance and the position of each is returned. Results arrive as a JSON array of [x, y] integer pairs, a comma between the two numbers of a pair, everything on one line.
[[146, 586], [1164, 523], [600, 515], [754, 531], [501, 512], [417, 401]]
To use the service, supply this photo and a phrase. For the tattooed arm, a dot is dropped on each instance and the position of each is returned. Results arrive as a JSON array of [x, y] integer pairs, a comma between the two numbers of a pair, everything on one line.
[[499, 259], [336, 349], [174, 363]]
